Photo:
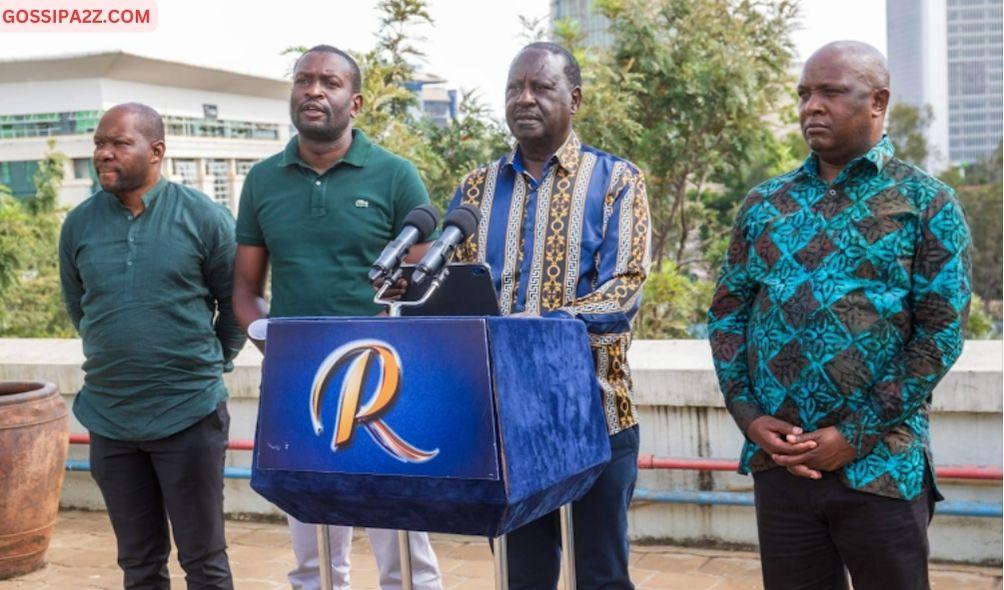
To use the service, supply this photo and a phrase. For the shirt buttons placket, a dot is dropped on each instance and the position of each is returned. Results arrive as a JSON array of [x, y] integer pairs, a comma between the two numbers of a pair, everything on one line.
[[317, 198], [130, 258]]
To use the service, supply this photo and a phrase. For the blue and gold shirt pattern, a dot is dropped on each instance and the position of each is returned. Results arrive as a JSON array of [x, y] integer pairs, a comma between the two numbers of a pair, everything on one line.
[[576, 243], [843, 305]]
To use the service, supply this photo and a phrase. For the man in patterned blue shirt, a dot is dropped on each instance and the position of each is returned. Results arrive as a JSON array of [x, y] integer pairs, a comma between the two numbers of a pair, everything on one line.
[[565, 229], [840, 306]]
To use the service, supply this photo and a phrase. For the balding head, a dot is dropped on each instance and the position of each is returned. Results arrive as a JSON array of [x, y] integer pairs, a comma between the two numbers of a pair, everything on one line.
[[146, 120], [129, 149], [842, 99], [864, 60]]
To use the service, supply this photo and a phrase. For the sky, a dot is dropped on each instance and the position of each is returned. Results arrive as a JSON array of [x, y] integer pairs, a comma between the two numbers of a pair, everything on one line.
[[470, 44]]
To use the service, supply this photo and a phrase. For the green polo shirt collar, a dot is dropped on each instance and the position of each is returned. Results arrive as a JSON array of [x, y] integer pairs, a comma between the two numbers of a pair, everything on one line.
[[358, 154]]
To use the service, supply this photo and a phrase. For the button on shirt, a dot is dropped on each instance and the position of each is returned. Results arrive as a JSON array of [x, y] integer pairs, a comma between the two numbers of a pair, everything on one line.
[[573, 243], [150, 296], [323, 231], [844, 305]]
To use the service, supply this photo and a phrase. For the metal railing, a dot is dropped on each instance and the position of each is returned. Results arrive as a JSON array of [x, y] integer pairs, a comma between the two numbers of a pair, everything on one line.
[[702, 498]]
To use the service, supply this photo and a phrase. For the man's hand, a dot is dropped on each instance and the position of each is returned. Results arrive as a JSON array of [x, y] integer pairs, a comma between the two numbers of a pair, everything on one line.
[[395, 291], [773, 436], [831, 452]]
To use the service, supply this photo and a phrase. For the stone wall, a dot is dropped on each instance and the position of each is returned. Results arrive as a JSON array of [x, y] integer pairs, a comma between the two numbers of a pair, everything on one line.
[[682, 416]]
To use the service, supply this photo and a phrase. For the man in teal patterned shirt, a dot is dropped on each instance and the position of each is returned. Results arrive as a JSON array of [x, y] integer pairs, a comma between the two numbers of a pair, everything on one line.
[[840, 306]]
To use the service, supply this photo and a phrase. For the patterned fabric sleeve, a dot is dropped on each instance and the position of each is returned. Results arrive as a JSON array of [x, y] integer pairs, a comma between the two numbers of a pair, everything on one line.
[[940, 298], [466, 251], [728, 319], [624, 259]]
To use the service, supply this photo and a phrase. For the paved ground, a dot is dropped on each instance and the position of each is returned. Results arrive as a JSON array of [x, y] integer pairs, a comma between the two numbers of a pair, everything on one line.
[[82, 556]]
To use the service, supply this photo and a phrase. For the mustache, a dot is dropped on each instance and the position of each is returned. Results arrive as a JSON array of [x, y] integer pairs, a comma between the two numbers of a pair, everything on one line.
[[315, 105]]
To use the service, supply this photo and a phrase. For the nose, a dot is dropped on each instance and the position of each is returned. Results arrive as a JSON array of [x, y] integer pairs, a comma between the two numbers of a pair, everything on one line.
[[526, 96], [102, 154], [814, 105], [314, 90]]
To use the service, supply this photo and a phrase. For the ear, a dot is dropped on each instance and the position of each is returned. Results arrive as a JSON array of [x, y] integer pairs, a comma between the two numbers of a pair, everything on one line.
[[880, 101], [576, 99], [357, 105], [157, 150]]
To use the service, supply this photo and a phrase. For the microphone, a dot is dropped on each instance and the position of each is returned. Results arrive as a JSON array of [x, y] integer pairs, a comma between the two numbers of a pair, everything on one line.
[[417, 226], [459, 223]]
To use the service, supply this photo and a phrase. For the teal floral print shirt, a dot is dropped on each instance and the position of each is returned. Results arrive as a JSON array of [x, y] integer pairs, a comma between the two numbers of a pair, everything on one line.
[[843, 305]]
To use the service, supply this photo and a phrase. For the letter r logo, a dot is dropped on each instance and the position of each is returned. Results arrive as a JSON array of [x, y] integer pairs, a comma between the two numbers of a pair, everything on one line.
[[359, 358]]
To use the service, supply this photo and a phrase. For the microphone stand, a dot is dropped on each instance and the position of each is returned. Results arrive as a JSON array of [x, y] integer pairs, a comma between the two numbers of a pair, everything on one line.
[[394, 310], [394, 306]]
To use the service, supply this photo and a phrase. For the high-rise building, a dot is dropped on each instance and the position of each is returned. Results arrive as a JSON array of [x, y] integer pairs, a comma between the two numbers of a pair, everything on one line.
[[974, 78], [946, 54], [218, 123], [594, 27], [915, 31]]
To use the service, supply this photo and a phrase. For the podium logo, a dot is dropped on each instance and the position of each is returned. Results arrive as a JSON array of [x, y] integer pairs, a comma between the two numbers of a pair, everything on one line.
[[362, 357]]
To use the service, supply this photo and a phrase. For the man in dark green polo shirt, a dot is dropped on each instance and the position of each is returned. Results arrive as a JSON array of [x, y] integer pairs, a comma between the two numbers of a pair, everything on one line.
[[146, 273], [319, 213]]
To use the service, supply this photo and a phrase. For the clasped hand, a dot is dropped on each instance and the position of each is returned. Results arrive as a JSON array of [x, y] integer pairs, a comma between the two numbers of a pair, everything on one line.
[[805, 454]]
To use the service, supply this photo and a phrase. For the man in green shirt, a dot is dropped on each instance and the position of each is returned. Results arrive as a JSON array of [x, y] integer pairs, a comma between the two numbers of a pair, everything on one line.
[[319, 213], [146, 273]]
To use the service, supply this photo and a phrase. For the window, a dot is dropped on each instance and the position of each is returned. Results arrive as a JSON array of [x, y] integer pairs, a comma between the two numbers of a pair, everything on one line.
[[49, 124], [218, 169], [82, 168], [244, 166], [187, 171]]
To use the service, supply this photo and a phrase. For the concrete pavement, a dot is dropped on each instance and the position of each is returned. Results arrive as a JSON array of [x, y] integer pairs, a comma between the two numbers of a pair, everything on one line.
[[82, 556]]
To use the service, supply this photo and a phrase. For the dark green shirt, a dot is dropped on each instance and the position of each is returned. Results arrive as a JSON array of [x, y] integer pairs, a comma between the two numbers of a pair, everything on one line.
[[324, 231], [144, 292]]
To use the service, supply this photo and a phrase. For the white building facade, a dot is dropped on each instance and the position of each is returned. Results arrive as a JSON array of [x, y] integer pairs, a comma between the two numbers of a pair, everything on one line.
[[218, 123]]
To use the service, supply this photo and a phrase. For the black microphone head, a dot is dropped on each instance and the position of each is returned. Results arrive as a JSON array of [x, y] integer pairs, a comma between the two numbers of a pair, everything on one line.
[[424, 218], [465, 218]]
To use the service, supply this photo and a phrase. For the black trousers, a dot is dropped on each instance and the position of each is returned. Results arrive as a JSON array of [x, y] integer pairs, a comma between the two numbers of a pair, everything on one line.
[[177, 478], [810, 530], [599, 528]]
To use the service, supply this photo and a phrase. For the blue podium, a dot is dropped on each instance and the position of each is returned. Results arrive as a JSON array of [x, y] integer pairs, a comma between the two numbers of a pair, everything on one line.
[[458, 425]]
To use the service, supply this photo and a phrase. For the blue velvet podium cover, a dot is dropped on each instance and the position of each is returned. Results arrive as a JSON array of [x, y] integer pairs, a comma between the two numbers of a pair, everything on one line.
[[459, 425]]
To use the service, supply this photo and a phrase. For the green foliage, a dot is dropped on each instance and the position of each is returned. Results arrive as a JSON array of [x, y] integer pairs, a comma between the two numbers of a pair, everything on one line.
[[709, 72], [48, 179], [610, 96], [29, 266], [687, 94], [673, 303], [13, 234], [467, 142], [906, 126], [981, 323], [983, 205]]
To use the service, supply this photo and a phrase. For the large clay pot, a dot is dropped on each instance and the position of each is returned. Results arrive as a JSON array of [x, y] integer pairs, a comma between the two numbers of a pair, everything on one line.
[[34, 429]]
